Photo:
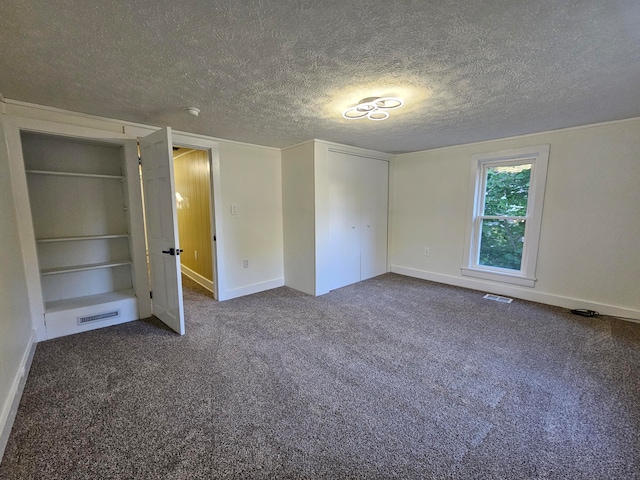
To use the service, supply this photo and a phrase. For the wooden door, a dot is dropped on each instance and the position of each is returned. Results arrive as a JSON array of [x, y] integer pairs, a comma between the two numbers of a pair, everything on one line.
[[162, 228]]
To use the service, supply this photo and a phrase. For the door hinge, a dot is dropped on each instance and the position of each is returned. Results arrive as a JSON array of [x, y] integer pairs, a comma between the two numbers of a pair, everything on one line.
[[139, 160], [214, 238], [150, 294]]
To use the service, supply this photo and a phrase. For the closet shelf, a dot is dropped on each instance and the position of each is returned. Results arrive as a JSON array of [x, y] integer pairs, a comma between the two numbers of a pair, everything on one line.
[[81, 237], [74, 174], [81, 268]]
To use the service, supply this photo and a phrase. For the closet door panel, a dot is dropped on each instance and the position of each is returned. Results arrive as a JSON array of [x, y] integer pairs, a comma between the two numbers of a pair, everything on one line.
[[344, 213], [358, 207], [374, 187]]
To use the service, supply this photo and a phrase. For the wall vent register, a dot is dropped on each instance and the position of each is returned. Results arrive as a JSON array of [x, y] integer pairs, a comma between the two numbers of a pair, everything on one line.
[[98, 316]]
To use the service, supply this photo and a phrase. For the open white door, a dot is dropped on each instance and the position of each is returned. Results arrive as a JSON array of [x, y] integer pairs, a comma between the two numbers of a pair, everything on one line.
[[156, 152]]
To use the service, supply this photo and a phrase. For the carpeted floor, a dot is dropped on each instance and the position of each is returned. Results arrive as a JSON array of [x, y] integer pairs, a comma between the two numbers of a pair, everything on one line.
[[390, 378]]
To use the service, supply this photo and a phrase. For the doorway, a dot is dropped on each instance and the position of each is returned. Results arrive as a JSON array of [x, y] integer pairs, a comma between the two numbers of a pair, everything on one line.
[[192, 172]]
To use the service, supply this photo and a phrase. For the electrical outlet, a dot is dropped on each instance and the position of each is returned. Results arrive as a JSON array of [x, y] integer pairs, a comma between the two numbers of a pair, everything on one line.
[[245, 263], [426, 251], [195, 254]]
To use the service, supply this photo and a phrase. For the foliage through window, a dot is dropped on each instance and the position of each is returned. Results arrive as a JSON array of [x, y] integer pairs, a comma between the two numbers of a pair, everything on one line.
[[503, 220], [506, 214]]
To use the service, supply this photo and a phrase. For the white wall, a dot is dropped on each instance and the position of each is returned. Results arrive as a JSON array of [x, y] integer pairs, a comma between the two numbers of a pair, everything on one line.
[[298, 207], [589, 253], [15, 314], [251, 178]]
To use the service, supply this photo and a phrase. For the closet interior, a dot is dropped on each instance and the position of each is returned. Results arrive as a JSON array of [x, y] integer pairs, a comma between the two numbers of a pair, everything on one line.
[[79, 198]]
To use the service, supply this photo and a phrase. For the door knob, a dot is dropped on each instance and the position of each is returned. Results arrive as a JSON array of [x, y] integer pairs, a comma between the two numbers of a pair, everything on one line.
[[171, 251]]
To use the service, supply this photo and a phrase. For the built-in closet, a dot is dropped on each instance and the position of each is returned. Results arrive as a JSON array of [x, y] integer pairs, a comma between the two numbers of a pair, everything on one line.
[[335, 215], [356, 217], [79, 195]]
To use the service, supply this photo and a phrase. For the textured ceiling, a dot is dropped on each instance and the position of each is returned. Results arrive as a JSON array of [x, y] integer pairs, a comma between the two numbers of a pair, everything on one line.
[[279, 72]]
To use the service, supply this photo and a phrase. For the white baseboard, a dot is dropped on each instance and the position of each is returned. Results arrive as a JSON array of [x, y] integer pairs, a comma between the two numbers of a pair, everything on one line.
[[518, 292], [196, 277], [249, 289], [10, 408]]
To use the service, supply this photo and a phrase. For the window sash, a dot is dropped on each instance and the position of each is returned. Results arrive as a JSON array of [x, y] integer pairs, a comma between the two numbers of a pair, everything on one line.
[[537, 157], [477, 244]]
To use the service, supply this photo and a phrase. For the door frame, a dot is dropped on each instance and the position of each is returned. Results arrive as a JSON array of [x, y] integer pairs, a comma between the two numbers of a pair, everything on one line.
[[215, 201]]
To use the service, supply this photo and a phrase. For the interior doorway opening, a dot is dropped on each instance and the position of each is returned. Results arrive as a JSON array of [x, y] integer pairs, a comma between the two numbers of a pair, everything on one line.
[[194, 206]]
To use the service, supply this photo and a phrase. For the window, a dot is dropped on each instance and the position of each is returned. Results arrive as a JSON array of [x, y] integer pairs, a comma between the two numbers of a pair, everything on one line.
[[505, 213]]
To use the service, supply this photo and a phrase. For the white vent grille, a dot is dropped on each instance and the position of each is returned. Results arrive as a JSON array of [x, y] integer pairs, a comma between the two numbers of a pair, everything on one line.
[[98, 316], [498, 298]]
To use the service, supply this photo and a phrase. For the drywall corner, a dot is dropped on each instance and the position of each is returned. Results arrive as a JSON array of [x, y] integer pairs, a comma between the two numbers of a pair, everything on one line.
[[10, 408]]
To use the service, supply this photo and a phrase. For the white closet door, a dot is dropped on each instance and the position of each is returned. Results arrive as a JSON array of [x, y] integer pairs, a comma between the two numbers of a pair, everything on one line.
[[344, 213], [162, 228], [374, 189], [358, 205]]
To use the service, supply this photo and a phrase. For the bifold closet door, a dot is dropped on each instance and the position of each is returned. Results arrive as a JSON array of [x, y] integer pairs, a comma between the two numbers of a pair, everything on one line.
[[344, 219], [374, 190], [358, 205]]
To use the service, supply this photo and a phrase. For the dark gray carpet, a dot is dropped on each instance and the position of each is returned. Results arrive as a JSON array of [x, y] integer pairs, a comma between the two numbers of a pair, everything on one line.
[[390, 378]]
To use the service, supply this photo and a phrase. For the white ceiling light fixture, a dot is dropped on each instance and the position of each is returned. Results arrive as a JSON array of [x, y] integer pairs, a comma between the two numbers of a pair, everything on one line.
[[195, 111], [373, 108]]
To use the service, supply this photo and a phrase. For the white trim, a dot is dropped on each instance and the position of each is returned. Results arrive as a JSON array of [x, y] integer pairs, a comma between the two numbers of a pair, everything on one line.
[[196, 277], [251, 289], [538, 156], [526, 135], [522, 293], [390, 211], [212, 147], [52, 127], [28, 249], [500, 277], [135, 220], [306, 142], [12, 401], [340, 148], [131, 129]]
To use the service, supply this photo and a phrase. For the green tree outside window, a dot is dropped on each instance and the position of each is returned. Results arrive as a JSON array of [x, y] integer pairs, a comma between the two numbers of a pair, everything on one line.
[[504, 216]]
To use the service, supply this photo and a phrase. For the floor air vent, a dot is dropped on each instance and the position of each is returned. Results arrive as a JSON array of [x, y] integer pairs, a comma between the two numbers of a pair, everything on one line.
[[498, 298], [98, 316]]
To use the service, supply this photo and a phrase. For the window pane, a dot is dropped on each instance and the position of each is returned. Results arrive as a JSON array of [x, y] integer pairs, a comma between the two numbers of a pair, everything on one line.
[[507, 190], [501, 243]]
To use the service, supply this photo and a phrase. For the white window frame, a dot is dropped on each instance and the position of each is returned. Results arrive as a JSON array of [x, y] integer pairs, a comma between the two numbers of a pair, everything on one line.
[[538, 157]]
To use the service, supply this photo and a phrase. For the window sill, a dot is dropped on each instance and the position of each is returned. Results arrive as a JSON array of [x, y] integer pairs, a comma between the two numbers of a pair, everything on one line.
[[499, 277]]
